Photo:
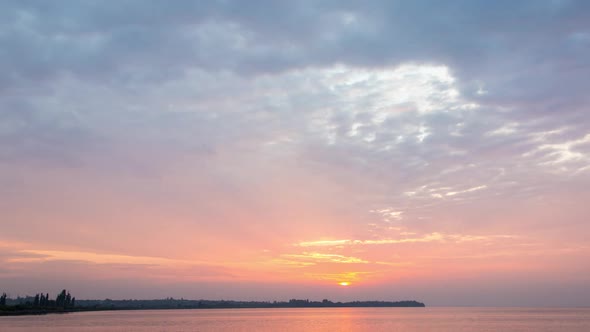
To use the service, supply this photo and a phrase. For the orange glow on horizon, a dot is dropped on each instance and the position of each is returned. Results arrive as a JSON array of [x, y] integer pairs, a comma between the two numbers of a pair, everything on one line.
[[344, 283]]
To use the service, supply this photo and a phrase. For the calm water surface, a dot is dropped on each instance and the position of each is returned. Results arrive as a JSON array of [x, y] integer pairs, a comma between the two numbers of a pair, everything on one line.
[[312, 319]]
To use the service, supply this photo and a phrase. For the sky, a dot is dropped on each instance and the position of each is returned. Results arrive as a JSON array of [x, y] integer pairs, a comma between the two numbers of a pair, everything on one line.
[[268, 150]]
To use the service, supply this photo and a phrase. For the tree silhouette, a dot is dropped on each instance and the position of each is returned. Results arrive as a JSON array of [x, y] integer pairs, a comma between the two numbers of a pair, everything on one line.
[[3, 299], [60, 300]]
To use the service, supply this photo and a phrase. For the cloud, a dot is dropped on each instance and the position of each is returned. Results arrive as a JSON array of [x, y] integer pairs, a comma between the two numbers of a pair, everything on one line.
[[319, 257], [250, 126], [432, 237], [90, 257], [132, 50]]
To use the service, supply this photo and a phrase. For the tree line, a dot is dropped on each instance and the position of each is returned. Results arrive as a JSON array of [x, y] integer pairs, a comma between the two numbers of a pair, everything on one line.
[[171, 303], [63, 300]]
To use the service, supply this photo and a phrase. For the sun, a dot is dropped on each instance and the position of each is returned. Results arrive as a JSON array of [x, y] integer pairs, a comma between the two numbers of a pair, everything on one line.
[[344, 283]]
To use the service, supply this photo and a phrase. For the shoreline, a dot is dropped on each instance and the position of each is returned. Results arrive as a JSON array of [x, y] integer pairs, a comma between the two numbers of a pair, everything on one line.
[[39, 311]]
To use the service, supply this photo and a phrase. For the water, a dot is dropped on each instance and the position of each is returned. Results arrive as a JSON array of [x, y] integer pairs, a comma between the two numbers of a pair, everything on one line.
[[312, 319]]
